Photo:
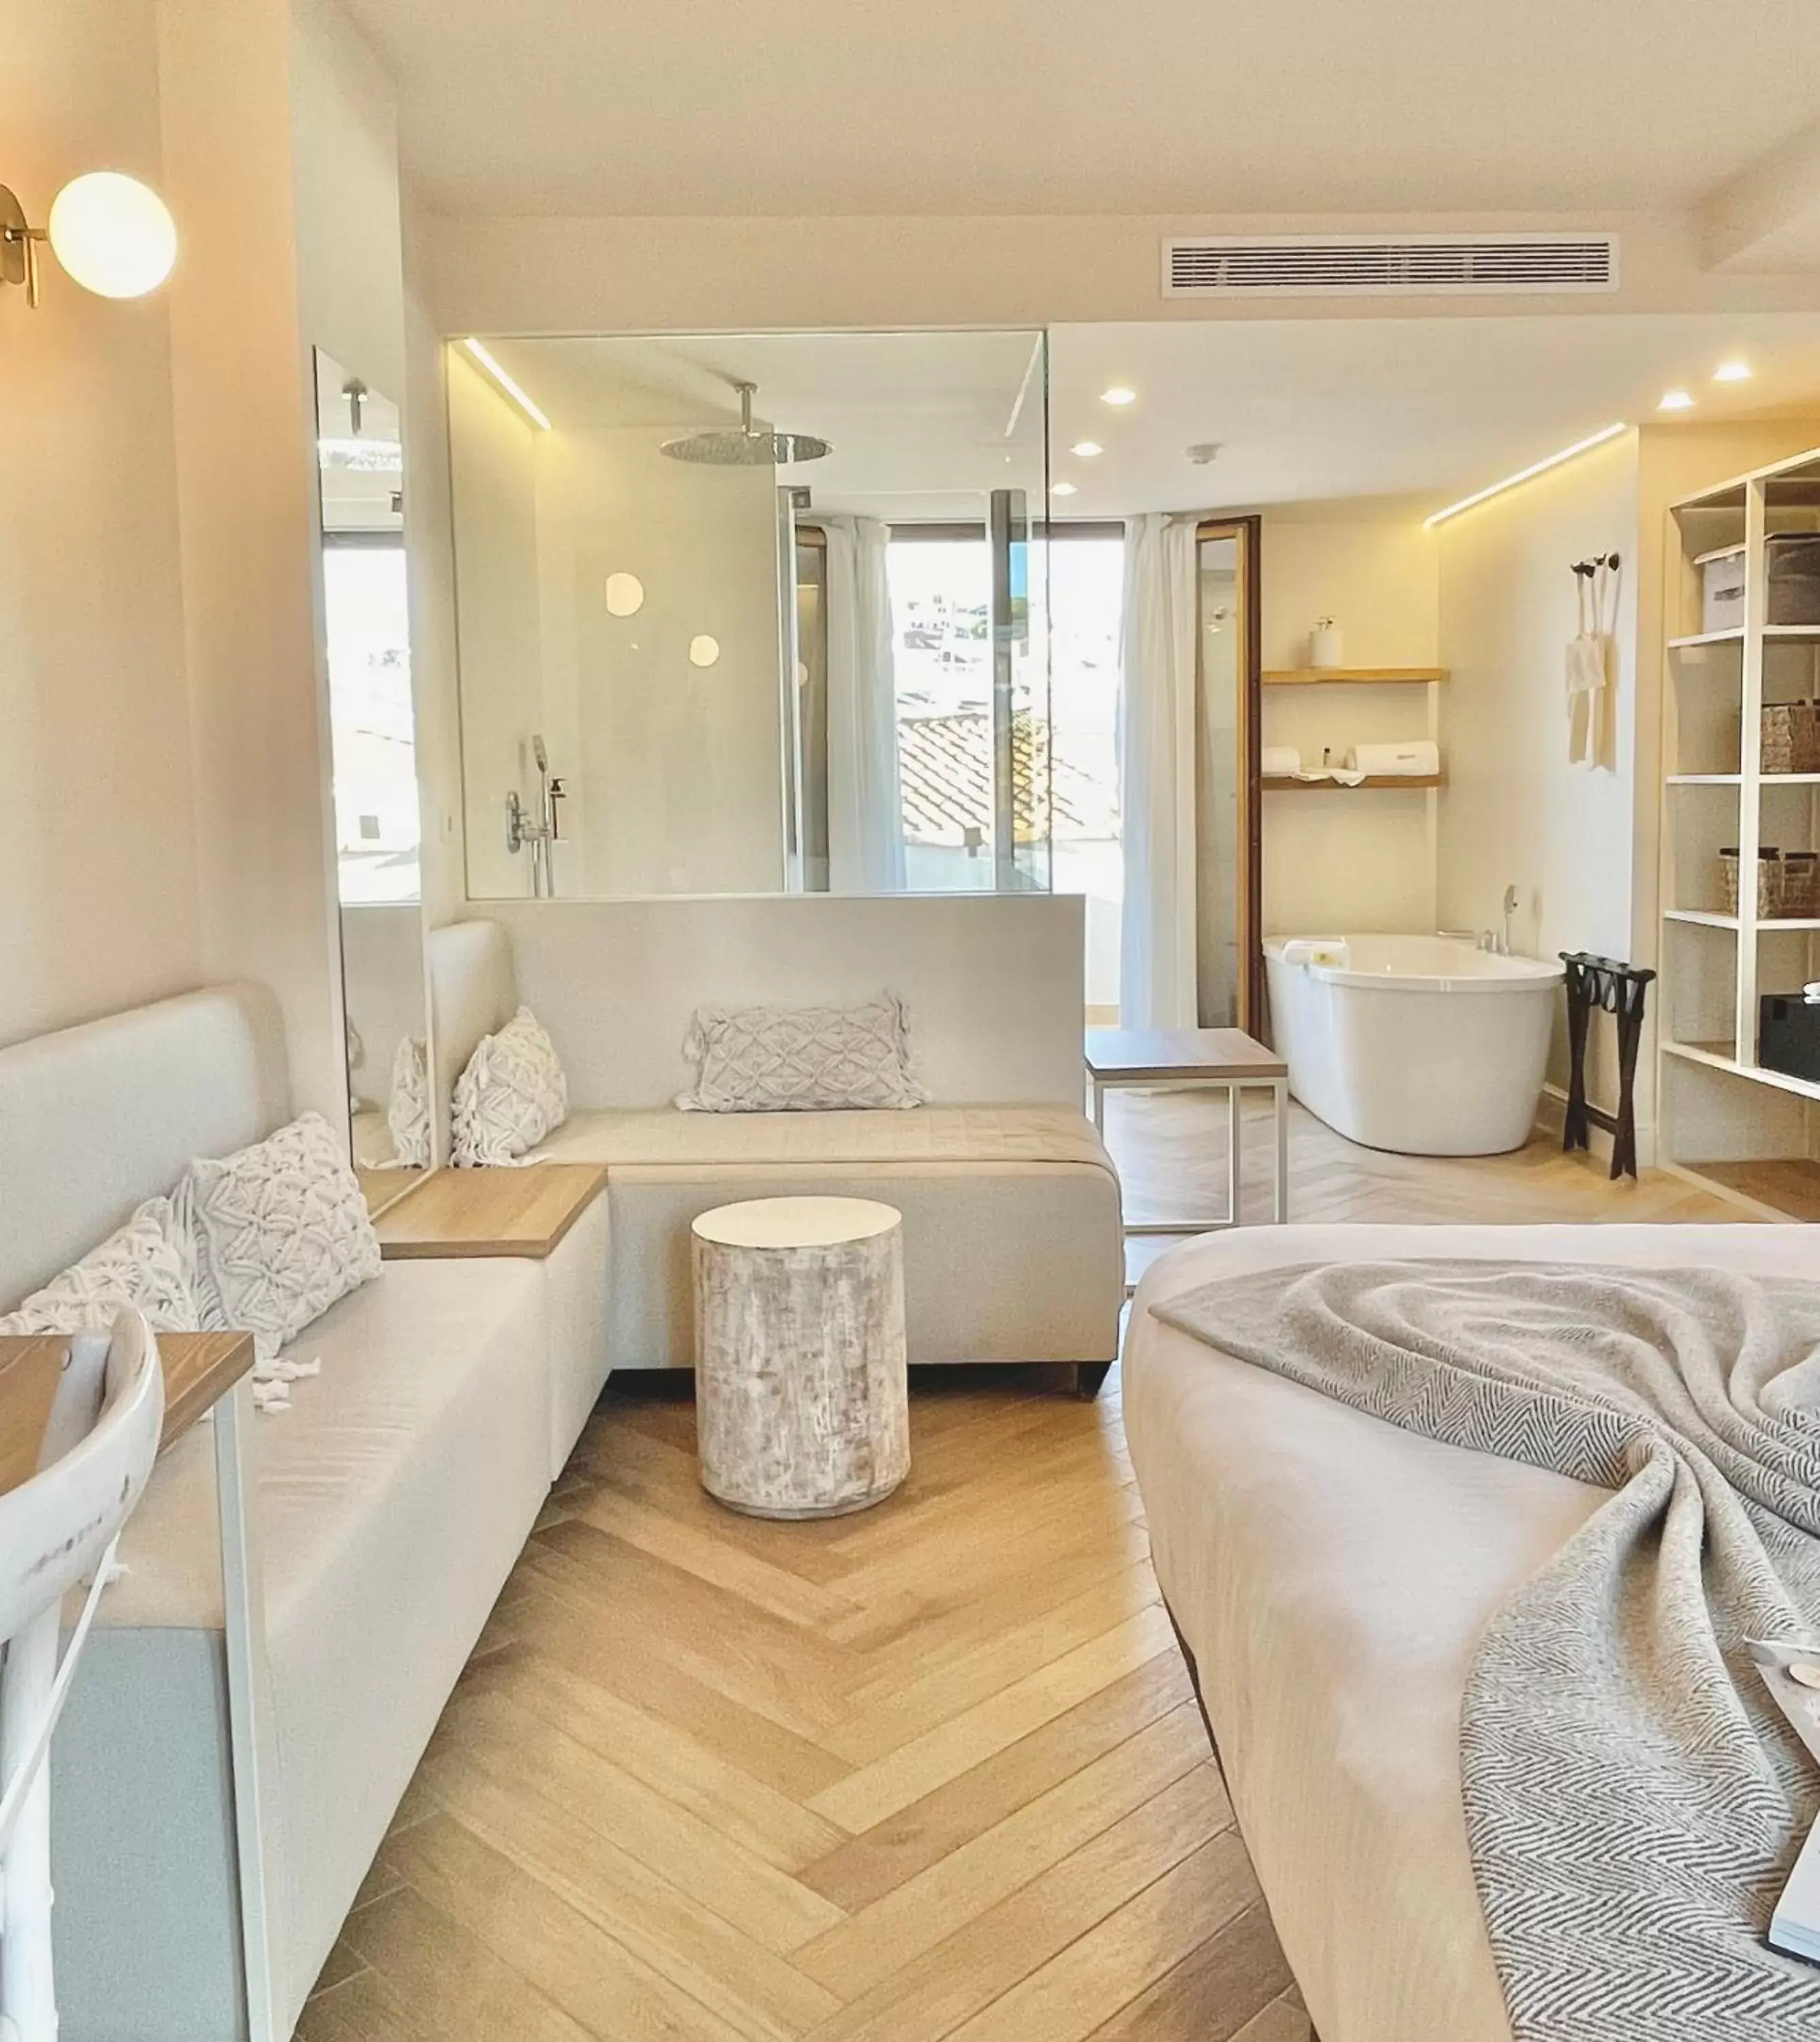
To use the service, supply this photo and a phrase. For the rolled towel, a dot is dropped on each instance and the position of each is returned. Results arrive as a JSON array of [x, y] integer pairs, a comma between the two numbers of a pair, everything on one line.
[[1420, 757], [1281, 762], [1315, 949]]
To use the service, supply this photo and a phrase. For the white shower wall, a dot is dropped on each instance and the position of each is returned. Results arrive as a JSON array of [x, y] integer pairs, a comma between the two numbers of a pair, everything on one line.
[[673, 769]]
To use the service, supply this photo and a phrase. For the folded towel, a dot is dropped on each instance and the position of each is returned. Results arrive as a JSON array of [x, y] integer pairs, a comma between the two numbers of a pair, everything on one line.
[[1281, 762], [1420, 756]]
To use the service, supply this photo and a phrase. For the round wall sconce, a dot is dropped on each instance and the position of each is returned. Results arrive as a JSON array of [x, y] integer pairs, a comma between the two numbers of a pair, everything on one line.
[[624, 595], [113, 234], [703, 651]]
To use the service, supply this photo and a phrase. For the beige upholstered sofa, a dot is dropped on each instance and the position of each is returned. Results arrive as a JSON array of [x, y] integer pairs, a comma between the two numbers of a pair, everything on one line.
[[390, 1501], [1010, 1204]]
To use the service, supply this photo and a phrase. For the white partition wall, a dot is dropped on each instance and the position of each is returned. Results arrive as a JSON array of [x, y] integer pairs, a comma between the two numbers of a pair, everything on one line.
[[993, 982]]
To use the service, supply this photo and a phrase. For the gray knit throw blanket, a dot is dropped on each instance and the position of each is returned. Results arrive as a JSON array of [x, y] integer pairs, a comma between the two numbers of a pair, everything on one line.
[[1634, 1799]]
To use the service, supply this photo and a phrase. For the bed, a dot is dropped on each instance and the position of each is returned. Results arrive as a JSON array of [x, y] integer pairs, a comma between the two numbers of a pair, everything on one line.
[[1330, 1575]]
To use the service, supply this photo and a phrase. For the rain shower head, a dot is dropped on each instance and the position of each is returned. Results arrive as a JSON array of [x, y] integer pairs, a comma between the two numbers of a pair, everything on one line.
[[750, 446]]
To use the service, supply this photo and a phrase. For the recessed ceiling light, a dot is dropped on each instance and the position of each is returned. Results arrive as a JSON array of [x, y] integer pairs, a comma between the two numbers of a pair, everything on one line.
[[1119, 395], [1061, 489], [1732, 371], [1087, 449], [1676, 400]]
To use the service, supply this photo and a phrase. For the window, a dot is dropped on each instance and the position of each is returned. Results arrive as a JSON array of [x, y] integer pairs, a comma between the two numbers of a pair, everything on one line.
[[368, 623], [940, 585]]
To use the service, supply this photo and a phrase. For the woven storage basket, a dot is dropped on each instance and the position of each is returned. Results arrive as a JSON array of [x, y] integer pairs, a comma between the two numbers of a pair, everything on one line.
[[1769, 883], [1800, 886], [1791, 737]]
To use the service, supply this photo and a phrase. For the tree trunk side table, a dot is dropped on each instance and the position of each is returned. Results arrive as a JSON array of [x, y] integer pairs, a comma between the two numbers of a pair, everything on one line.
[[802, 1401]]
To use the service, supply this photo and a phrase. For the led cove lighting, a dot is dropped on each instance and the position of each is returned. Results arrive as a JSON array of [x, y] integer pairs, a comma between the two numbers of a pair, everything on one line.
[[1528, 474], [1062, 489], [506, 384], [1119, 395], [1087, 449], [1675, 400], [1732, 371]]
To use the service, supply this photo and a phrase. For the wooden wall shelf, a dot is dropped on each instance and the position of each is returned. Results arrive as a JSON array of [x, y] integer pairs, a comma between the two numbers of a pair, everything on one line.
[[1358, 677], [1287, 783]]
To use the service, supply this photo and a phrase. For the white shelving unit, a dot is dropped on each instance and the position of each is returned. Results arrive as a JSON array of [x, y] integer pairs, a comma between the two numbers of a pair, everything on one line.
[[1723, 1120]]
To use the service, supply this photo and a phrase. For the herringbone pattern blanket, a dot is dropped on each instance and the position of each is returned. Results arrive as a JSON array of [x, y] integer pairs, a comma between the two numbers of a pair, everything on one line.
[[1634, 1799]]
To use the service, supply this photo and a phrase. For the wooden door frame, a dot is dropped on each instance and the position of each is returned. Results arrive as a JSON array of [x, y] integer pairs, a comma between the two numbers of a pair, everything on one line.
[[1248, 531]]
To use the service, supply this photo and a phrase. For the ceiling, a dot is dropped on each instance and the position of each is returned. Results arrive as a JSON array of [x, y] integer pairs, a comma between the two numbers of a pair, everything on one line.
[[1067, 106], [1302, 410], [921, 425], [1310, 409]]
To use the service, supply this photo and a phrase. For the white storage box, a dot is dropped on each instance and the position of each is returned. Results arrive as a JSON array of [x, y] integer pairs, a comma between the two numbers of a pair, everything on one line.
[[1722, 589]]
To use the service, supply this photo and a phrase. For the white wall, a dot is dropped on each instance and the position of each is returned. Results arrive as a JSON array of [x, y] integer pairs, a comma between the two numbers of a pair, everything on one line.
[[98, 854], [1335, 859], [748, 275]]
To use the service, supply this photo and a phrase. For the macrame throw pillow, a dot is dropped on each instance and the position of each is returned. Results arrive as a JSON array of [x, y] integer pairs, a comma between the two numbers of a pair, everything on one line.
[[801, 1059], [513, 1093], [407, 1112], [144, 1265], [281, 1231]]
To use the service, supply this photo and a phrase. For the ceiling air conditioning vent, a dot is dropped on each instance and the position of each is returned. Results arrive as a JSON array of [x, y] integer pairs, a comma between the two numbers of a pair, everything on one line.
[[1424, 265]]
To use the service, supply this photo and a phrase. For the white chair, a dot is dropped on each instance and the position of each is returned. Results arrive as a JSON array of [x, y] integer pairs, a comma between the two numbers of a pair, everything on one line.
[[57, 1530]]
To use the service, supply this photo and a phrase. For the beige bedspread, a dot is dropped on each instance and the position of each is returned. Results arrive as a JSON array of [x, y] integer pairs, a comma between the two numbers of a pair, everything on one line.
[[1332, 1574]]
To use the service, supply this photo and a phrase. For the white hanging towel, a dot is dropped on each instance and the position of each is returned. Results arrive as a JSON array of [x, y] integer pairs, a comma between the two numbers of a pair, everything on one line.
[[1418, 757], [1589, 666]]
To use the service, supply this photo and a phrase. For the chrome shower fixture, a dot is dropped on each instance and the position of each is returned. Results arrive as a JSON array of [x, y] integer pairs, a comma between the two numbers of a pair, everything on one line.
[[750, 446]]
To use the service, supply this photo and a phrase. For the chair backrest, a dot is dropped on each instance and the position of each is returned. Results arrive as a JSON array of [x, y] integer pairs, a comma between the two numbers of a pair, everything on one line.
[[100, 1439]]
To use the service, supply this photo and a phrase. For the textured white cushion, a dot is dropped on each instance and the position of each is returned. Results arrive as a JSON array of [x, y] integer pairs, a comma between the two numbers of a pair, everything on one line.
[[280, 1231], [801, 1059], [511, 1094], [144, 1265], [407, 1112]]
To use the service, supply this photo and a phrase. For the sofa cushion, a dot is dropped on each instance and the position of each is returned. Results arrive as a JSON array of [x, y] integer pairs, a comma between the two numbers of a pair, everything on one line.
[[801, 1059], [511, 1094], [281, 1232], [662, 1138], [143, 1264]]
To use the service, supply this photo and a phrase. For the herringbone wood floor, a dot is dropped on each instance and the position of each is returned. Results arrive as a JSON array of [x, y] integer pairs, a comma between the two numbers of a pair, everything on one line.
[[932, 1771]]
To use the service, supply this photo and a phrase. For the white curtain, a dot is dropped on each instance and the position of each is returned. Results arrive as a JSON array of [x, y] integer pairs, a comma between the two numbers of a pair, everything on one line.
[[865, 803], [1156, 946]]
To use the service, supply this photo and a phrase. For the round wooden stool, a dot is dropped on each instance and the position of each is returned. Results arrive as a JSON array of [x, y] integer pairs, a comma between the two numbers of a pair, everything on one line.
[[802, 1393]]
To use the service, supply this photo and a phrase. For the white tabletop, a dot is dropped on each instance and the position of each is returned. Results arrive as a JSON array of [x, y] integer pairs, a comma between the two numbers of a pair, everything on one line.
[[795, 1223]]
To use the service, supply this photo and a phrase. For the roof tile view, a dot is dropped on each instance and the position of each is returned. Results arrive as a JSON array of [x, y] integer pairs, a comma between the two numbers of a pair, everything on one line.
[[945, 763]]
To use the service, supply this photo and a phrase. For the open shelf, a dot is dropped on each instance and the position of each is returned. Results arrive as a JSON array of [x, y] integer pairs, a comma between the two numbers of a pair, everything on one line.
[[1777, 1187], [1358, 677], [1702, 917], [1706, 779], [1718, 1056], [1688, 639], [1273, 784]]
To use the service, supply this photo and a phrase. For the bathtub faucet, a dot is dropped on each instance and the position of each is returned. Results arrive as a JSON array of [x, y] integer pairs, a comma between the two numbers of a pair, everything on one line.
[[1484, 939]]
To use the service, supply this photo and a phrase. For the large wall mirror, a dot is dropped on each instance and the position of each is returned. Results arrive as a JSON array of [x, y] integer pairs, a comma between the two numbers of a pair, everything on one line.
[[373, 733], [753, 613]]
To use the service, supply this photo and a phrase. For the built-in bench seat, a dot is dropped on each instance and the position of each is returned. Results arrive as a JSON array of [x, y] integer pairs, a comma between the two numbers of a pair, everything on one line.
[[1012, 1246], [1011, 1217], [388, 1504]]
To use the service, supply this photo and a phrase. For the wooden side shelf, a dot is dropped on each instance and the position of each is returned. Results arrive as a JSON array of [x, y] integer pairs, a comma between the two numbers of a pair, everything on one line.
[[1272, 785], [1358, 677], [489, 1212]]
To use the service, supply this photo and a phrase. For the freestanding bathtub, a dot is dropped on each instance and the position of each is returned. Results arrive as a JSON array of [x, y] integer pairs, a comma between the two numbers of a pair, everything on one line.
[[1423, 1045]]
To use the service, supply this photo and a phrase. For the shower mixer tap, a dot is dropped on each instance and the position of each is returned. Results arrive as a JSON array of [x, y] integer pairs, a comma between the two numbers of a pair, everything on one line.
[[541, 830]]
